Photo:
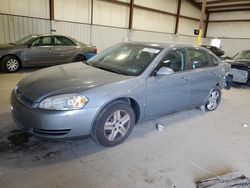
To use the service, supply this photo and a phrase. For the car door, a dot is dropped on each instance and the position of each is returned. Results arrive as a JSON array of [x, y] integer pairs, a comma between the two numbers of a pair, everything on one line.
[[39, 52], [64, 49], [169, 93], [204, 75]]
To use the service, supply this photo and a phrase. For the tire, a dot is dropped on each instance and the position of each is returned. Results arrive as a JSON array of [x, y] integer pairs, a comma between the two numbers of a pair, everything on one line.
[[10, 64], [79, 58], [213, 100], [108, 128]]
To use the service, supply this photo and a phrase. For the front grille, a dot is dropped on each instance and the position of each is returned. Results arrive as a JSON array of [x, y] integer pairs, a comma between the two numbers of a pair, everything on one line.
[[22, 98], [59, 132]]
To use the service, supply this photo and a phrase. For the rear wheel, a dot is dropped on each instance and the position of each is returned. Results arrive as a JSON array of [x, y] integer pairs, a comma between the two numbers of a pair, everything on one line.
[[10, 64], [114, 124], [79, 58], [213, 100]]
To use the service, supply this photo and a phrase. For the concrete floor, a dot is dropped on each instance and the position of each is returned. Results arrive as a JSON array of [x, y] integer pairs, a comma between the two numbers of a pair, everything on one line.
[[194, 145]]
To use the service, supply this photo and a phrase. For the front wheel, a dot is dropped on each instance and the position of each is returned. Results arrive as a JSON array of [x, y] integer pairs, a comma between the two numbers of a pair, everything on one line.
[[114, 124], [10, 64], [213, 100]]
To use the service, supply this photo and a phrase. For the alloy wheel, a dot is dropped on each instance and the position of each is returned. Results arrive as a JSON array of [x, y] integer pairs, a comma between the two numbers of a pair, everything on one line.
[[117, 125], [212, 102]]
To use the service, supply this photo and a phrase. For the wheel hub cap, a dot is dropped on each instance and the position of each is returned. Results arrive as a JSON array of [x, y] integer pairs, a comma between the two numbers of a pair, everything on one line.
[[12, 65], [117, 125]]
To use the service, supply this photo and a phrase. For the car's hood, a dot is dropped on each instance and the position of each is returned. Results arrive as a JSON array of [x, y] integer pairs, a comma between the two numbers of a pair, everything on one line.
[[4, 47], [70, 78]]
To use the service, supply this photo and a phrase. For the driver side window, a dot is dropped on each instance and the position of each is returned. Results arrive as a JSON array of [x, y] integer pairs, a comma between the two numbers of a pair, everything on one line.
[[43, 41], [174, 60]]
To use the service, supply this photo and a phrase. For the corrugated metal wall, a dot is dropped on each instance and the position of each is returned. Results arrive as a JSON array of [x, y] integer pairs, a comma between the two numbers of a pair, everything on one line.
[[16, 27], [110, 21], [235, 36]]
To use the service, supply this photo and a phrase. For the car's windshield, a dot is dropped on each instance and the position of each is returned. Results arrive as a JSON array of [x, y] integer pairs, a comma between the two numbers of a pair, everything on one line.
[[24, 40], [125, 58], [242, 55]]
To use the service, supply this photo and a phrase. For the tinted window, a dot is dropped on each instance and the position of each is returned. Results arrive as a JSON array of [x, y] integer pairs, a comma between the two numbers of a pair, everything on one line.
[[199, 58], [63, 41], [242, 55], [43, 41], [174, 60]]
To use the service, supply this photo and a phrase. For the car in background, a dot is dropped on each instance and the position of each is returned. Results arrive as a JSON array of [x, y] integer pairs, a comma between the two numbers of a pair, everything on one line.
[[217, 51], [119, 87], [240, 67], [43, 50]]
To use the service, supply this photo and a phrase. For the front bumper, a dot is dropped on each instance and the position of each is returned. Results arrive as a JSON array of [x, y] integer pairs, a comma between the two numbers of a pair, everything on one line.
[[52, 124]]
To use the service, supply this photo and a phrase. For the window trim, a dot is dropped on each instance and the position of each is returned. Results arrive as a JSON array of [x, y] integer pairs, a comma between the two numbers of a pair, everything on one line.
[[39, 38], [54, 38], [207, 55], [187, 68]]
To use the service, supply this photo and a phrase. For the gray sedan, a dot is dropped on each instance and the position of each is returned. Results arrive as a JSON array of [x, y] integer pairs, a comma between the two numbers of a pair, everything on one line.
[[43, 50], [125, 84]]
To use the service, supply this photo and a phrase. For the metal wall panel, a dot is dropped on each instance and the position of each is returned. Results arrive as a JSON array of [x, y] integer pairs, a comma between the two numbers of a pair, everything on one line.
[[164, 5], [230, 15], [78, 31], [186, 26], [104, 37], [72, 10], [15, 27], [229, 29], [32, 8], [188, 9], [162, 37], [153, 21]]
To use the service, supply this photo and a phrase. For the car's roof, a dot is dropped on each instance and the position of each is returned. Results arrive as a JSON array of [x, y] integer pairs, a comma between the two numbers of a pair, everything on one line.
[[164, 45], [48, 34], [244, 51]]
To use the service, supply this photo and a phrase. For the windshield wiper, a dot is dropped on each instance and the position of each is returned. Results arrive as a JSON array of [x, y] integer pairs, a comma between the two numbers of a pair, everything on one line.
[[111, 70]]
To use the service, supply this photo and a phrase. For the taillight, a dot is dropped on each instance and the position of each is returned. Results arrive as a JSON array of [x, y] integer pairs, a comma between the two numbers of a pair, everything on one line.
[[94, 50]]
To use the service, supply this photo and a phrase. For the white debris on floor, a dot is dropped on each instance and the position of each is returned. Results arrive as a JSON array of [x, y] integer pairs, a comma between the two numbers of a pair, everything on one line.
[[230, 180]]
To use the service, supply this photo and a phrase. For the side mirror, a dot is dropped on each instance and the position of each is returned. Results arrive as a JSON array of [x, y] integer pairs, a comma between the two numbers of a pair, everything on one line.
[[29, 45], [164, 71]]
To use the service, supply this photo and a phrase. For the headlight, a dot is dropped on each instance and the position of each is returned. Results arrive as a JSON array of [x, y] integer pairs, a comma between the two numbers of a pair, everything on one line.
[[63, 102]]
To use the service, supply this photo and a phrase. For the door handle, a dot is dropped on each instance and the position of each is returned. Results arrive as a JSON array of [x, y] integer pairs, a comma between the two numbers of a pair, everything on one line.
[[184, 80]]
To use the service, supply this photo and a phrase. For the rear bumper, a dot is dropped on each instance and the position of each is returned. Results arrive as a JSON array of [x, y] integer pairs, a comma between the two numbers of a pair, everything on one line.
[[52, 124], [240, 76]]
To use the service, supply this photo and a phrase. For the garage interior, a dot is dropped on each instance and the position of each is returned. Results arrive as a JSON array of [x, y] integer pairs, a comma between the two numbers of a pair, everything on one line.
[[193, 145]]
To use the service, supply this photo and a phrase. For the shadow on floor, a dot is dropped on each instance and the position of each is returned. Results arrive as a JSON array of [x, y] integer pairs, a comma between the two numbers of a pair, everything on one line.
[[35, 152]]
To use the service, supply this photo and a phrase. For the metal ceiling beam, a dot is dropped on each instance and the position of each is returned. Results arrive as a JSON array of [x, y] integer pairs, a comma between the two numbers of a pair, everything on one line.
[[229, 6], [229, 10], [131, 14], [225, 1], [203, 10], [51, 10], [206, 25], [177, 17]]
